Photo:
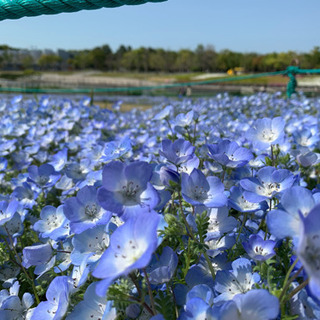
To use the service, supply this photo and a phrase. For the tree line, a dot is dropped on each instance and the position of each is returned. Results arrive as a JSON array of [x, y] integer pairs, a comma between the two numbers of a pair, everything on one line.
[[126, 58]]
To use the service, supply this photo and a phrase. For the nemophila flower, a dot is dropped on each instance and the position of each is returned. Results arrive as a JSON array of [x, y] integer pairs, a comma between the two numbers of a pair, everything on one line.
[[13, 227], [80, 274], [256, 304], [197, 309], [303, 305], [162, 269], [7, 210], [64, 250], [44, 176], [203, 292], [84, 210], [305, 157], [78, 171], [8, 274], [219, 245], [13, 308], [126, 189], [115, 150], [166, 175], [266, 132], [90, 243], [306, 137], [309, 248], [238, 202], [25, 195], [184, 119], [165, 112], [220, 223], [229, 154], [31, 150], [3, 163], [7, 146], [64, 183], [53, 223], [268, 182], [177, 152], [285, 221], [133, 311], [93, 307], [57, 300], [240, 280], [259, 249], [40, 256], [199, 190], [131, 247], [187, 166], [59, 160], [200, 273]]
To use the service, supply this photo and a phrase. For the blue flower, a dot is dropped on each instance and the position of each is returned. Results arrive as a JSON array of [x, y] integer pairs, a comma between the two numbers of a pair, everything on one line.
[[93, 307], [309, 248], [266, 132], [199, 190], [7, 210], [177, 152], [115, 150], [90, 243], [126, 189], [14, 227], [84, 211], [240, 280], [286, 222], [44, 176], [59, 160], [13, 308], [256, 304], [203, 292], [259, 249], [57, 300], [198, 309], [131, 247], [25, 195], [220, 223], [53, 223], [269, 182], [163, 270], [229, 154]]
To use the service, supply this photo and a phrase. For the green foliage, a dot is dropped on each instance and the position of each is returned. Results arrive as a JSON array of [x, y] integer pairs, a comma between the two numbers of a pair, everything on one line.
[[202, 221], [119, 293], [173, 232], [4, 253], [165, 305]]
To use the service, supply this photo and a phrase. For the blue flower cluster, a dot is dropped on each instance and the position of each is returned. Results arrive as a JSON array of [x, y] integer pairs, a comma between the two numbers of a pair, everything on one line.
[[193, 209]]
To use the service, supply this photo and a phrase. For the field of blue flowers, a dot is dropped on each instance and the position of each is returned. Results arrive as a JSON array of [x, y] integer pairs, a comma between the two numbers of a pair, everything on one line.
[[193, 209]]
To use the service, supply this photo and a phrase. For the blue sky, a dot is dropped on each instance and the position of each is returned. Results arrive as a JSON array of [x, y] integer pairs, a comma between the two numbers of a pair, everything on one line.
[[240, 25]]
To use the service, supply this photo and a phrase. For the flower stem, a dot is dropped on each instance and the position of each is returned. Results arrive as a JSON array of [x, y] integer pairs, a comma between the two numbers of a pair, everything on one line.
[[213, 274], [19, 262], [298, 288], [150, 292], [287, 283]]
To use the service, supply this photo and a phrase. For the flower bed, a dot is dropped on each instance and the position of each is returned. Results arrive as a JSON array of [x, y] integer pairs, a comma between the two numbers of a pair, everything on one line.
[[193, 209]]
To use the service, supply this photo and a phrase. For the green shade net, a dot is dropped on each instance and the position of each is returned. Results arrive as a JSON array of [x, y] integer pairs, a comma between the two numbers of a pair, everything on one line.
[[15, 9]]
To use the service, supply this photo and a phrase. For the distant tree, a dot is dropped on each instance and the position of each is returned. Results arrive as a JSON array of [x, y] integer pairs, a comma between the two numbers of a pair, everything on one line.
[[185, 61], [27, 62], [49, 62], [228, 60], [205, 58], [157, 60]]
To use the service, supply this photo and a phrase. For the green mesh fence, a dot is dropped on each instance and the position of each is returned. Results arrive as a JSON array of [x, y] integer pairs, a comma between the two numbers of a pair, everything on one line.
[[15, 9]]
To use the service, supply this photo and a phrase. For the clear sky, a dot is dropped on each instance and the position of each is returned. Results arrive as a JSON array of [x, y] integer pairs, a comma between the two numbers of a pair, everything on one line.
[[240, 25]]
